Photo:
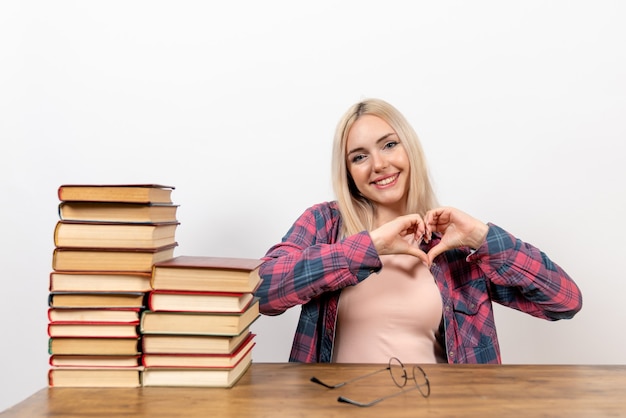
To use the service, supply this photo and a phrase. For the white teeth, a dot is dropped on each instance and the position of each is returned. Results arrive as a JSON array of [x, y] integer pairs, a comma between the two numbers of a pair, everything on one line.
[[386, 181]]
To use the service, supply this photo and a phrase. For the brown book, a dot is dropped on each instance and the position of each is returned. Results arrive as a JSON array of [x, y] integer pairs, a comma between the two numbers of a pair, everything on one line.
[[100, 281], [117, 212], [96, 300], [114, 235], [94, 315], [207, 274], [192, 344], [68, 360], [196, 377], [137, 193], [199, 360], [94, 377], [198, 323], [111, 259], [170, 300], [93, 346], [93, 329]]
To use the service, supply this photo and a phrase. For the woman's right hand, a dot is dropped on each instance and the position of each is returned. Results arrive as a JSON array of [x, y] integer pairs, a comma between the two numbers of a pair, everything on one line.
[[401, 236]]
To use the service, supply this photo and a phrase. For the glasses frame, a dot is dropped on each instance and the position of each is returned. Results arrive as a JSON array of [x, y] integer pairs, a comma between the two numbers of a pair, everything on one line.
[[393, 362]]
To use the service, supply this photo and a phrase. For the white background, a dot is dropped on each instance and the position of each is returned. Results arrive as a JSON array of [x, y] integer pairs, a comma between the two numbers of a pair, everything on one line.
[[521, 108]]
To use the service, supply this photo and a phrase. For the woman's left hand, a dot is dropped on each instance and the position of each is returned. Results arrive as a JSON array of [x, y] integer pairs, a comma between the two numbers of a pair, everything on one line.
[[458, 229]]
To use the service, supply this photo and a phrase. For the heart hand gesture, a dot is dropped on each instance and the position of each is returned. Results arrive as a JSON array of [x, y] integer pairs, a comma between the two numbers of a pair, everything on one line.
[[458, 229]]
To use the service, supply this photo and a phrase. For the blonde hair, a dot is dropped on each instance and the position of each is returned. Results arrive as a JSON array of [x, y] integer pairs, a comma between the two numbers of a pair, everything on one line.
[[357, 212]]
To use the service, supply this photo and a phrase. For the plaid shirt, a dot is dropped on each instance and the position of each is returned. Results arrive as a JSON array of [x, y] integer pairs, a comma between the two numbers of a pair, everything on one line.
[[311, 266]]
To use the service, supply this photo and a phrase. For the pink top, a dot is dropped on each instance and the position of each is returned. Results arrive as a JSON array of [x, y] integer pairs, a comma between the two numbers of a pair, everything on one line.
[[395, 313]]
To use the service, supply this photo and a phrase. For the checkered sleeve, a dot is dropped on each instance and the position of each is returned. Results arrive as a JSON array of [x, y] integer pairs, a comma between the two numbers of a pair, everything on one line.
[[524, 278], [310, 260]]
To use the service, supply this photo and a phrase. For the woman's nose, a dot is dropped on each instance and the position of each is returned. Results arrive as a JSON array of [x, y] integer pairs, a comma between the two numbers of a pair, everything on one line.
[[379, 162]]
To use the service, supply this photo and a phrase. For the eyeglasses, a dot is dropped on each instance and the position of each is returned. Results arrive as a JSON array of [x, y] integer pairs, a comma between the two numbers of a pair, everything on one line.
[[399, 376]]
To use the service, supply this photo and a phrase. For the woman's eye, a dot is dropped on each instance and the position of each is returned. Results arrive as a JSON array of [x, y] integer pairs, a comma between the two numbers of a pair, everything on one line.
[[390, 144], [357, 158]]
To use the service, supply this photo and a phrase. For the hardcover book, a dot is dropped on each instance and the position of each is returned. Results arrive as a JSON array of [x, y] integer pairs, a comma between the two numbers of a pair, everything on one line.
[[94, 377], [192, 344], [179, 360], [198, 323], [207, 274], [111, 259], [138, 193], [93, 346], [93, 329], [170, 300], [197, 377], [100, 281], [65, 360], [114, 235], [96, 300], [94, 315], [117, 212]]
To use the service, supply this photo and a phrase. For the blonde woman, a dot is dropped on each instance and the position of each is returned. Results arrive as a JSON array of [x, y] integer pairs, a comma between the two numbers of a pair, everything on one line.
[[383, 271]]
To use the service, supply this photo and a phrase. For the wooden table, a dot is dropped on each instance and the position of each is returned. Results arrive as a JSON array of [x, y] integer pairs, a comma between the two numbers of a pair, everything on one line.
[[284, 390]]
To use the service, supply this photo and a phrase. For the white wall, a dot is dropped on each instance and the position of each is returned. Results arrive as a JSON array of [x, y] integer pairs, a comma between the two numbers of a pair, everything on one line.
[[520, 106]]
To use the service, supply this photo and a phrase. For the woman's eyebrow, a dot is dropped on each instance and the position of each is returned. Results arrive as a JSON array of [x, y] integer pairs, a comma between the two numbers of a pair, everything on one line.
[[378, 141]]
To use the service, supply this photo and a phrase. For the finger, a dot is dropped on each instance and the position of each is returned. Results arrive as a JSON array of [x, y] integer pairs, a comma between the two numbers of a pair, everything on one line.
[[434, 252], [416, 252]]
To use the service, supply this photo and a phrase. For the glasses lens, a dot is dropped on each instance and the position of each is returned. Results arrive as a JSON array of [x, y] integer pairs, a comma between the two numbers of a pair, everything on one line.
[[421, 381], [398, 372]]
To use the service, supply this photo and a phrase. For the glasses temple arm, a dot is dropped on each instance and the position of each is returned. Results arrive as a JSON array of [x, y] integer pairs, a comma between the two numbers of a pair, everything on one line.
[[338, 385], [375, 401]]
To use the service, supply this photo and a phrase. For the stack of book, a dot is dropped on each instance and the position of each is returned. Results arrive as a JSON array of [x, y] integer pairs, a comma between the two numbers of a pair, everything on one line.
[[106, 242], [196, 328]]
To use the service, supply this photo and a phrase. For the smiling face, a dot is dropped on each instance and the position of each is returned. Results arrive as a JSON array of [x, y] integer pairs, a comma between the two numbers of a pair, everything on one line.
[[378, 163]]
